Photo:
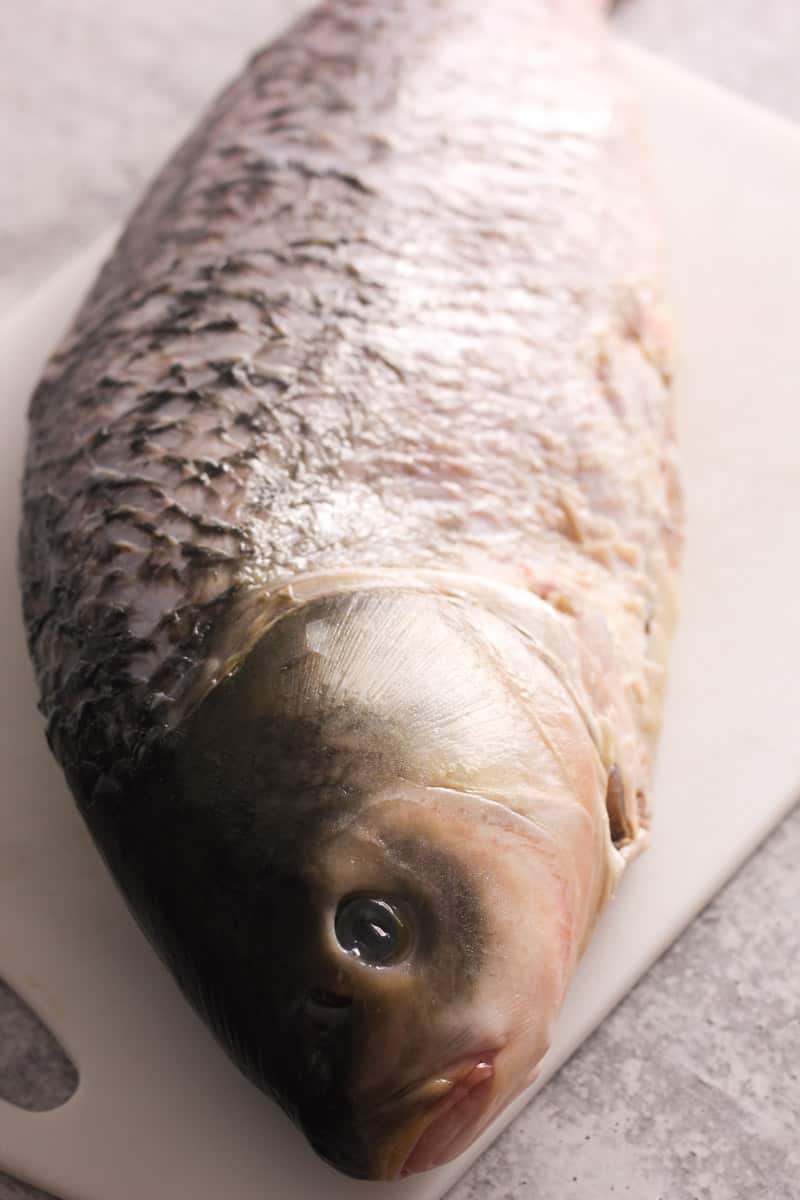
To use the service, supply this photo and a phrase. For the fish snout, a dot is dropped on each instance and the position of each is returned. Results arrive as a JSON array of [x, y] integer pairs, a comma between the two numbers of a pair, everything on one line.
[[450, 1113], [423, 1128]]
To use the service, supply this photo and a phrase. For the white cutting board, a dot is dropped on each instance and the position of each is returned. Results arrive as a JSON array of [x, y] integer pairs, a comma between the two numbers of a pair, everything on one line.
[[159, 1111]]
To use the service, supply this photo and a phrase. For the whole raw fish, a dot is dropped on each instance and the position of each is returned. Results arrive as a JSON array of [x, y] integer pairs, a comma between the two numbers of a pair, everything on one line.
[[350, 538]]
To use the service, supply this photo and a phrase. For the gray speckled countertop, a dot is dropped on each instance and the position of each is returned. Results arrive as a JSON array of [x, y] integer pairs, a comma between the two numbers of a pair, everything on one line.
[[691, 1089]]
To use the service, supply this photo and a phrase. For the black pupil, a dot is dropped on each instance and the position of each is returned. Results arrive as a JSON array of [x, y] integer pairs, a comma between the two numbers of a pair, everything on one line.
[[368, 929]]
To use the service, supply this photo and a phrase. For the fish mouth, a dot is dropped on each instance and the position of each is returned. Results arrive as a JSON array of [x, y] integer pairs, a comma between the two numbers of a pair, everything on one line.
[[455, 1103]]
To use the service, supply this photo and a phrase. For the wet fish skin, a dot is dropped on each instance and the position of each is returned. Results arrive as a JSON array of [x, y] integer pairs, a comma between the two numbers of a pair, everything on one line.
[[386, 335]]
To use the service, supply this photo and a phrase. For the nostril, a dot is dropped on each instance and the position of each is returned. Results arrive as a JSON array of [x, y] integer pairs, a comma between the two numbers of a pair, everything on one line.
[[329, 999], [327, 1009]]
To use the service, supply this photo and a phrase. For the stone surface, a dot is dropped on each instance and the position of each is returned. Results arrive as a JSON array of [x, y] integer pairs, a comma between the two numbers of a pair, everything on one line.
[[691, 1089], [35, 1073], [749, 46]]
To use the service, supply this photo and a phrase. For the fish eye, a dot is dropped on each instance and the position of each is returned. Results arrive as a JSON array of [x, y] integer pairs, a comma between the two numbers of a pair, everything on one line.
[[372, 930]]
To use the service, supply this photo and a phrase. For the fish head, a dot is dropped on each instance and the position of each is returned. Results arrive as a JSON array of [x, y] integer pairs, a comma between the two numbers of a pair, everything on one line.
[[368, 901], [446, 948]]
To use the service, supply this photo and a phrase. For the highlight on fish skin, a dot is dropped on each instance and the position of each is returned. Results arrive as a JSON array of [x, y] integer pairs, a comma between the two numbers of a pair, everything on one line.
[[349, 551]]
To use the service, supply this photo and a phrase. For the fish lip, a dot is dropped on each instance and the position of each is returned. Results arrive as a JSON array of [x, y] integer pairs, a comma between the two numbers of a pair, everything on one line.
[[434, 1096], [450, 1073], [478, 1092]]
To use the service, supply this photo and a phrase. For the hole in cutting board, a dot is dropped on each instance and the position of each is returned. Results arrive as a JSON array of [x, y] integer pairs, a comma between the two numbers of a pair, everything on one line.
[[35, 1071], [15, 1189]]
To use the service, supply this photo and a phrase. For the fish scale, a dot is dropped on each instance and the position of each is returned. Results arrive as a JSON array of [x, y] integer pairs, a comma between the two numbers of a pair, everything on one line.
[[348, 295]]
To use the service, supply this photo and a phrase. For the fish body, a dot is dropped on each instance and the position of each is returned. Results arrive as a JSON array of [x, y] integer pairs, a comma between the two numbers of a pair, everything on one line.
[[350, 538]]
